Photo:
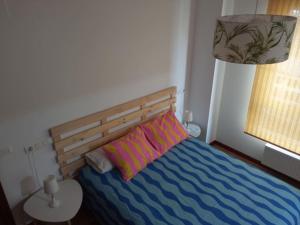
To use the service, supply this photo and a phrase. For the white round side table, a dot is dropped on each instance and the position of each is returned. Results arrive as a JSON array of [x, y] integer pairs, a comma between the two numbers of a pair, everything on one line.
[[70, 197], [193, 129]]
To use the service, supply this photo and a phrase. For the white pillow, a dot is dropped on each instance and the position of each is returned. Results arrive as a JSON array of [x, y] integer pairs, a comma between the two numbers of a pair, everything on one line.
[[99, 161]]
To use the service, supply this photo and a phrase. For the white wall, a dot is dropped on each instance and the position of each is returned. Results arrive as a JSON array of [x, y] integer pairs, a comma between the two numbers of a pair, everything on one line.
[[60, 60], [235, 96], [233, 111], [203, 62]]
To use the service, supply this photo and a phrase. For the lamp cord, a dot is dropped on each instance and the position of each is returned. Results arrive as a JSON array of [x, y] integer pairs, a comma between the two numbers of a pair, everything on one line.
[[36, 171], [32, 163], [256, 5]]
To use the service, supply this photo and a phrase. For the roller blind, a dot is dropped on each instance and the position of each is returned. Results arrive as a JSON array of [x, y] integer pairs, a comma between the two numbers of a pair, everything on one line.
[[274, 108]]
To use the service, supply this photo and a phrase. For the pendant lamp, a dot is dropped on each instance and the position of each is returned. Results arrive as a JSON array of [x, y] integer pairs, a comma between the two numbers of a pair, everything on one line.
[[254, 38]]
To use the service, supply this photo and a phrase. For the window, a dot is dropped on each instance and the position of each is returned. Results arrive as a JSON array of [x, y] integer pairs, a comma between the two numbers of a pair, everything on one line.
[[274, 108]]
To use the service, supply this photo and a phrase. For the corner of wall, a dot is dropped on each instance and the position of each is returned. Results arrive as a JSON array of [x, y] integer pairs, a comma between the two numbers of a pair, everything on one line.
[[203, 63]]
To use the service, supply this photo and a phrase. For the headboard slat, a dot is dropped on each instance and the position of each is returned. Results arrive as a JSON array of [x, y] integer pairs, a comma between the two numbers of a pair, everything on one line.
[[81, 136], [65, 168], [89, 146], [92, 131], [77, 123]]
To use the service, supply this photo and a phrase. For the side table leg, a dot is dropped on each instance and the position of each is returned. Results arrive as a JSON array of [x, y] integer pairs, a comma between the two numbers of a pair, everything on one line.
[[69, 222]]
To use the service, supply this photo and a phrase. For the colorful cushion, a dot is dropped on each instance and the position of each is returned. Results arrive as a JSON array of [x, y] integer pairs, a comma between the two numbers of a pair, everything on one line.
[[131, 153], [164, 132]]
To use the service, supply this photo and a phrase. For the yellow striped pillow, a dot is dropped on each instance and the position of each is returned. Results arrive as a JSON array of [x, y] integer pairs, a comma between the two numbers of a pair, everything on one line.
[[164, 132], [131, 153]]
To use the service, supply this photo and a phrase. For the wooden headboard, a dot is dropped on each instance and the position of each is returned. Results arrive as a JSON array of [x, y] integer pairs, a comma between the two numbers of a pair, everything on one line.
[[73, 139]]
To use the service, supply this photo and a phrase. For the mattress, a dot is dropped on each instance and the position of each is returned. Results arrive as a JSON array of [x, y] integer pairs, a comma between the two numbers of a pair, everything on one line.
[[191, 184]]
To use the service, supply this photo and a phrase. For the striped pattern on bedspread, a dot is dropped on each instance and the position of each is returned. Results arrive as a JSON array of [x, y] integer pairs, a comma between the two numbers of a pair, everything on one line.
[[192, 184]]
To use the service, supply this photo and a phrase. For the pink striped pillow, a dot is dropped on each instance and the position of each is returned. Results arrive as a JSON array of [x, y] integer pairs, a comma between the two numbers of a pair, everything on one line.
[[131, 153], [164, 132]]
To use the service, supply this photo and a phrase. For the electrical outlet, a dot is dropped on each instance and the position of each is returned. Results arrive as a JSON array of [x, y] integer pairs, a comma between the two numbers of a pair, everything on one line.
[[28, 149], [39, 145]]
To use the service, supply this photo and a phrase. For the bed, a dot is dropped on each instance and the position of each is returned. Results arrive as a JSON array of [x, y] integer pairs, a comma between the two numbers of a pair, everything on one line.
[[191, 184]]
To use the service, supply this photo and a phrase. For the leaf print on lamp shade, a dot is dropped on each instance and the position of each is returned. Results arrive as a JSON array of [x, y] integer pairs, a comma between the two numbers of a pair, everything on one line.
[[254, 39]]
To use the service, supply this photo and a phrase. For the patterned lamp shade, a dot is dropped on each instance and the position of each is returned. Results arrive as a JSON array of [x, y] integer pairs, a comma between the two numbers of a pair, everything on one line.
[[254, 39]]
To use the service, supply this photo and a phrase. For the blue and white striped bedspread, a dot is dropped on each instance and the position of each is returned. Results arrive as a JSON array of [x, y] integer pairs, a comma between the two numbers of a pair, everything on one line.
[[192, 184]]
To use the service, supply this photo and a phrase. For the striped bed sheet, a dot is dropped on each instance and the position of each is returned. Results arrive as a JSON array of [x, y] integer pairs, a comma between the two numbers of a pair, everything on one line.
[[191, 184]]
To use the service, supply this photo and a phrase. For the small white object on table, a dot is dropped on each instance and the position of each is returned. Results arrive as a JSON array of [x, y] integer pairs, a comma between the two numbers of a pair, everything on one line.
[[193, 129], [70, 197]]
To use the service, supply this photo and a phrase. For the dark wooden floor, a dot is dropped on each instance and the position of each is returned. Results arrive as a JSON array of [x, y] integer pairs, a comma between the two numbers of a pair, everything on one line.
[[249, 160]]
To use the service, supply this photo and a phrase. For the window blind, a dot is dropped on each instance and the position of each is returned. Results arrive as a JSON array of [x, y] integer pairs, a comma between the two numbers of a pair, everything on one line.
[[274, 108]]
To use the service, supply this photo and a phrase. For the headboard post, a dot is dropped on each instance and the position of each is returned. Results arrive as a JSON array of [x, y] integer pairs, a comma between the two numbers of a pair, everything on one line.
[[73, 139]]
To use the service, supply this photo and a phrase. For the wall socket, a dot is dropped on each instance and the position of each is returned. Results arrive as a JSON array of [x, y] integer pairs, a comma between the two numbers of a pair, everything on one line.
[[39, 145]]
